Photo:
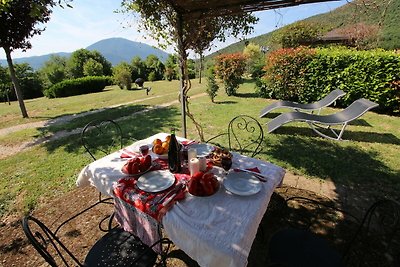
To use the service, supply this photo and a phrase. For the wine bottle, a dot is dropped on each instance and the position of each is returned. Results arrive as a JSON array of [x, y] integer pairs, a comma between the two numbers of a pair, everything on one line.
[[174, 160]]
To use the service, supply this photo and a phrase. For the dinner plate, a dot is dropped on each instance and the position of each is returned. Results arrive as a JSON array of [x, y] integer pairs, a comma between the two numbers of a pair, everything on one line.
[[155, 181], [241, 183], [203, 150]]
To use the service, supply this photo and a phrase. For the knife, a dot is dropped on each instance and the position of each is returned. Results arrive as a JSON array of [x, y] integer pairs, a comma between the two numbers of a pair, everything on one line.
[[260, 177]]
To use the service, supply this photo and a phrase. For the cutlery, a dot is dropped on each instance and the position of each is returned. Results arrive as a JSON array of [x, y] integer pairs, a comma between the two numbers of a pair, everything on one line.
[[173, 190], [260, 177]]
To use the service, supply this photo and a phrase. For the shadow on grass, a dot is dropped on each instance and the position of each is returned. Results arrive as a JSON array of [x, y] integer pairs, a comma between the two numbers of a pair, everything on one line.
[[225, 102], [360, 136], [78, 120], [247, 95], [136, 127], [342, 163]]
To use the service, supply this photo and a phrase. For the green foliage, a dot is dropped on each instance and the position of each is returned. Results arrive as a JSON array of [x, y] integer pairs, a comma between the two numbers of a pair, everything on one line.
[[29, 80], [92, 68], [154, 67], [80, 57], [79, 86], [171, 68], [53, 70], [122, 75], [230, 69], [138, 68], [19, 22], [297, 33], [307, 75], [152, 76], [212, 86], [284, 73], [255, 60]]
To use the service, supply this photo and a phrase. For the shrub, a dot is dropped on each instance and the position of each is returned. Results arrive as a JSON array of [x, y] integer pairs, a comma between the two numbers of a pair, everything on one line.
[[307, 75], [230, 68], [284, 72], [212, 86], [85, 85], [122, 75]]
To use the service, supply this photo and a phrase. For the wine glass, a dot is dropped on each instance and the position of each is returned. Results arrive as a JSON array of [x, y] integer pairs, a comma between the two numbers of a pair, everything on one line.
[[144, 150], [226, 163]]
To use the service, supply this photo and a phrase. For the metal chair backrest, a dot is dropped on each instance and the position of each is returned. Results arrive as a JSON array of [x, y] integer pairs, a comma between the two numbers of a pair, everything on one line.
[[377, 238], [47, 243], [101, 135], [245, 135]]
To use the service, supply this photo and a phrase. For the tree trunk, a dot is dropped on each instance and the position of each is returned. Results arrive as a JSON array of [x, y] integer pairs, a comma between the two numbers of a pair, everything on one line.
[[201, 66], [14, 80]]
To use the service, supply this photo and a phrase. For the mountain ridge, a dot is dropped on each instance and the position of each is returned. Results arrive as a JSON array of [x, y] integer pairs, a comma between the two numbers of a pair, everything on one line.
[[114, 49]]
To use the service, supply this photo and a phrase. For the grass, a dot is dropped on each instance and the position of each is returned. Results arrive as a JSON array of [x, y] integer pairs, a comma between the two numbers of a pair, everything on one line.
[[369, 163]]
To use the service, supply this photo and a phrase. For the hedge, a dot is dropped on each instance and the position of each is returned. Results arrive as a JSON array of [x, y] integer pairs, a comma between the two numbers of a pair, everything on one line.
[[79, 86], [306, 75]]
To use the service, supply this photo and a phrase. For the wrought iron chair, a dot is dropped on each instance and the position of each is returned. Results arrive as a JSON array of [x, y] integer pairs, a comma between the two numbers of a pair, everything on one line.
[[101, 136], [245, 135], [115, 248], [297, 245]]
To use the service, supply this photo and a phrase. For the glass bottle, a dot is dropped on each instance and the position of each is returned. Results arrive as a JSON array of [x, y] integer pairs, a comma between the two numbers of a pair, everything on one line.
[[174, 160]]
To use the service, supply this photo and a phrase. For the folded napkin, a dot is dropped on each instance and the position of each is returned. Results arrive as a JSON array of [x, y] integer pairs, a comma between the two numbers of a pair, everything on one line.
[[125, 153], [127, 190]]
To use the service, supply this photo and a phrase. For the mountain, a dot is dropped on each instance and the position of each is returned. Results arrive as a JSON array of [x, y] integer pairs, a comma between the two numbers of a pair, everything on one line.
[[36, 61], [120, 49], [346, 15], [114, 50]]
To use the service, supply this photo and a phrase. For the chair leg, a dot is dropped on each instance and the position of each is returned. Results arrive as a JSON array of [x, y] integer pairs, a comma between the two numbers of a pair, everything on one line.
[[338, 136]]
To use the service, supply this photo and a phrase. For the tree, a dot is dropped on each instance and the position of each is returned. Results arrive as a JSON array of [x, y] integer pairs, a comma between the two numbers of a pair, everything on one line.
[[154, 67], [295, 34], [254, 59], [54, 70], [230, 68], [92, 68], [19, 21], [138, 68], [212, 85], [171, 68], [122, 75], [164, 24], [78, 59]]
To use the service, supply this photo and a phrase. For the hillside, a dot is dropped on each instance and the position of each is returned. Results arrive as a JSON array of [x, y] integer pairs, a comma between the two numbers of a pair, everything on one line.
[[120, 49], [114, 50], [351, 13]]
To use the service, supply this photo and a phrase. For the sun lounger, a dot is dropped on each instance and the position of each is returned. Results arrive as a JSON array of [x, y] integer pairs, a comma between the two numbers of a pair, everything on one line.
[[324, 102], [352, 112]]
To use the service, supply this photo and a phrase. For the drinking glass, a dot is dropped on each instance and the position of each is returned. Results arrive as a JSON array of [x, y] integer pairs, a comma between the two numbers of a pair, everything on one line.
[[144, 150], [226, 163]]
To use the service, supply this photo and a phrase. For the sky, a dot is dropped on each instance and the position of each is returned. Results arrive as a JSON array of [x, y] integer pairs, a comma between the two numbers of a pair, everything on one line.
[[90, 21]]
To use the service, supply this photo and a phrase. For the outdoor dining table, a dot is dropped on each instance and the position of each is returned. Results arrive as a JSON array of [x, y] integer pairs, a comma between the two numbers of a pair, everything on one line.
[[217, 230]]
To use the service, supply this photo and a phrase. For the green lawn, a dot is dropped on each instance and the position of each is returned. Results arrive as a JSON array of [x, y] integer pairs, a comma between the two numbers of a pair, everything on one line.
[[369, 162]]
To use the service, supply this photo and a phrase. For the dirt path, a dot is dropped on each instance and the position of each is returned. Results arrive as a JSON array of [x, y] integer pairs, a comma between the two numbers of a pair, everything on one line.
[[6, 151]]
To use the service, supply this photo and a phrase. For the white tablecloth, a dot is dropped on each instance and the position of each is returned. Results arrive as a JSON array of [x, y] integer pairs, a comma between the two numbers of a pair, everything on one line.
[[215, 231]]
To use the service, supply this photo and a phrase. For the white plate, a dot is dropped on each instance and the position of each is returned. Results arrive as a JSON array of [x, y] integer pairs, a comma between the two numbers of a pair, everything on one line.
[[155, 181], [243, 184], [203, 150]]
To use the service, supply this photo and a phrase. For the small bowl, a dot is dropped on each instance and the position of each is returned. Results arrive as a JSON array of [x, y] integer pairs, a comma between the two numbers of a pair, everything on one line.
[[160, 156]]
